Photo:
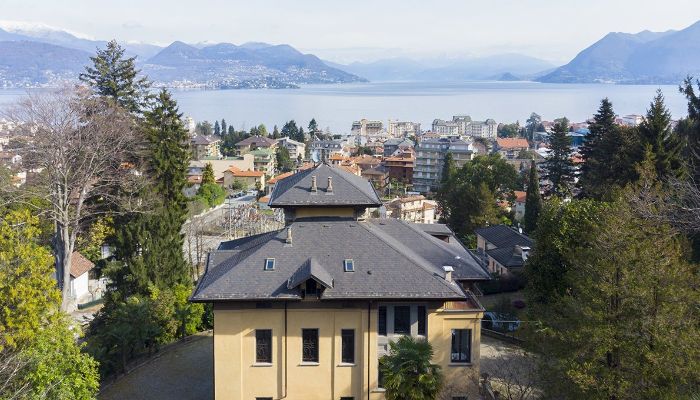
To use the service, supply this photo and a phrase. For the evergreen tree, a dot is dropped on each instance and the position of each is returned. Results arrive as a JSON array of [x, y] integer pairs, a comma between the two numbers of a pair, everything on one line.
[[558, 165], [623, 283], [217, 128], [208, 175], [609, 155], [449, 169], [204, 128], [301, 136], [655, 132], [115, 76], [313, 126], [275, 133], [290, 130], [224, 127], [689, 128], [231, 130], [283, 162], [532, 125], [533, 200]]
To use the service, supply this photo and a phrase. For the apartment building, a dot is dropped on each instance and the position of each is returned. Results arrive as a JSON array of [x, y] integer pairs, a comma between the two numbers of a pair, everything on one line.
[[483, 129], [306, 312], [430, 154], [294, 148], [401, 129], [365, 127]]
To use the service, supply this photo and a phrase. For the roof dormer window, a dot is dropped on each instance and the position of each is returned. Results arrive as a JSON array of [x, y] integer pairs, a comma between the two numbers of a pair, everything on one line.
[[349, 265], [269, 264]]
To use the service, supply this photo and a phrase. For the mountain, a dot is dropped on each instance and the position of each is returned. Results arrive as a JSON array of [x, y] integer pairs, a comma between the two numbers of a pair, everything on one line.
[[25, 63], [248, 65], [11, 30], [644, 57], [482, 68]]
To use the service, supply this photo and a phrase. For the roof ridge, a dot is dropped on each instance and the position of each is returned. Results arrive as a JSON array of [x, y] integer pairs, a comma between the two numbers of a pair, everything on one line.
[[350, 181]]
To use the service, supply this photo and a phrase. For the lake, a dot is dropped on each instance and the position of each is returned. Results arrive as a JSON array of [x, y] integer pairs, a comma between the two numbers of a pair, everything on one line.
[[336, 106]]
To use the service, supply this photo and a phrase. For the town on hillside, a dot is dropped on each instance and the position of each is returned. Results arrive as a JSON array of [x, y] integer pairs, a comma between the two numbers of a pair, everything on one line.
[[148, 255]]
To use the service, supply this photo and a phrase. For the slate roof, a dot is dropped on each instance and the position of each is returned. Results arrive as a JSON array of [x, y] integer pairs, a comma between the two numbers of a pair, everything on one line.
[[204, 140], [435, 229], [310, 269], [393, 259], [506, 257], [503, 236], [348, 189]]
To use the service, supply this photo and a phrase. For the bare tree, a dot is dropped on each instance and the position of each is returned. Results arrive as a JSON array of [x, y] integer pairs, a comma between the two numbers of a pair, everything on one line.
[[82, 150]]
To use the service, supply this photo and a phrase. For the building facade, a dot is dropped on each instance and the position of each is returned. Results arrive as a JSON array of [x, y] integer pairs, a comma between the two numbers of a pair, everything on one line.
[[294, 148], [401, 129], [307, 311], [365, 127], [430, 154]]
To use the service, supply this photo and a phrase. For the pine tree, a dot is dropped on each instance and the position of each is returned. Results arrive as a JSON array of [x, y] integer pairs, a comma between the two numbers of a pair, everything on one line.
[[223, 127], [231, 130], [313, 126], [449, 169], [208, 175], [112, 75], [283, 162], [531, 125], [558, 166], [275, 133], [290, 130], [217, 128], [533, 200], [656, 133]]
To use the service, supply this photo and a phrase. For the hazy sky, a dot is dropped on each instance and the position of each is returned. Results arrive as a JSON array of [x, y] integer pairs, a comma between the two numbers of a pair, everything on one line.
[[350, 30]]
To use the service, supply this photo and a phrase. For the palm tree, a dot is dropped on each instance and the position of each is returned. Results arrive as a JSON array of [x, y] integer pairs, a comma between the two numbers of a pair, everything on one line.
[[407, 371]]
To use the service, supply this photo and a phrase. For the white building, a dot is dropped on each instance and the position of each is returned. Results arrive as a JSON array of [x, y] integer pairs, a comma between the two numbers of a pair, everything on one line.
[[294, 148], [400, 129], [483, 129], [365, 127]]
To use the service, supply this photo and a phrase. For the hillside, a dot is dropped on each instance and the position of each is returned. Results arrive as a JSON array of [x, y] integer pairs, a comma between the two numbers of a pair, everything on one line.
[[645, 57], [25, 64]]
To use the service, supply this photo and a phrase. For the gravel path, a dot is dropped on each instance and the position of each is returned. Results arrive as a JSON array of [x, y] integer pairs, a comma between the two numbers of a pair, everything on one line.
[[181, 372]]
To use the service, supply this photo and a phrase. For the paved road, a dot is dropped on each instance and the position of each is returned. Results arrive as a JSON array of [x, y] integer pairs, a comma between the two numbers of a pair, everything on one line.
[[182, 372]]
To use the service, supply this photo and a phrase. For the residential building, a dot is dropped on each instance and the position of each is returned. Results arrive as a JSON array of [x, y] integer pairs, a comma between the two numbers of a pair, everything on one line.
[[430, 154], [294, 148], [365, 127], [509, 148], [413, 209], [402, 129], [251, 179], [483, 129], [379, 177], [205, 146], [219, 165], [632, 120], [270, 186], [504, 248], [264, 160], [519, 204], [322, 149], [80, 268], [366, 162], [190, 125], [395, 146], [446, 128], [253, 143], [401, 167], [306, 312], [376, 147]]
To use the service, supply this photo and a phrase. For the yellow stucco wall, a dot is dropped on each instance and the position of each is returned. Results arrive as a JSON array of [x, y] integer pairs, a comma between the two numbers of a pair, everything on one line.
[[236, 375]]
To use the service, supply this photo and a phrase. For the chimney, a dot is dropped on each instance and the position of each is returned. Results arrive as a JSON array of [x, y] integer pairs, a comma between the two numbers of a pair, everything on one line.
[[330, 184], [314, 188], [448, 272], [289, 236]]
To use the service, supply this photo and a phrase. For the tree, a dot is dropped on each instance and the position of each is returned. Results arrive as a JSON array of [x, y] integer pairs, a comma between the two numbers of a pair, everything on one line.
[[608, 153], [224, 127], [449, 169], [655, 131], [408, 372], [509, 130], [558, 165], [283, 162], [208, 175], [533, 200], [532, 125], [86, 148], [689, 128], [469, 200], [262, 130], [39, 357], [217, 128], [275, 133], [204, 128], [116, 77], [313, 126], [291, 131], [625, 284]]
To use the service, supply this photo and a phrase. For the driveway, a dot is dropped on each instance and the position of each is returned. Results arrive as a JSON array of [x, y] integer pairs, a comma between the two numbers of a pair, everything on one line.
[[183, 372]]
